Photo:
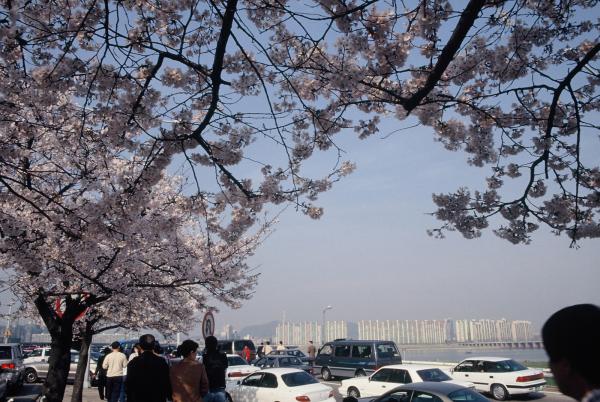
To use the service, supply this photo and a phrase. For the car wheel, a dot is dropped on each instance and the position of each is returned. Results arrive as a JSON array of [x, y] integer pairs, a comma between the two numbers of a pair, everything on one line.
[[326, 374], [353, 392], [360, 373], [499, 392], [30, 376]]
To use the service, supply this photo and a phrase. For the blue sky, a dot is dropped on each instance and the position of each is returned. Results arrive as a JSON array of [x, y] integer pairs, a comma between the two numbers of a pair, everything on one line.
[[370, 257]]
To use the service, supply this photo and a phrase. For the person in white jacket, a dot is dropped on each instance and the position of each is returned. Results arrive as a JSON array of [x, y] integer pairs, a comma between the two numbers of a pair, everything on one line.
[[114, 363]]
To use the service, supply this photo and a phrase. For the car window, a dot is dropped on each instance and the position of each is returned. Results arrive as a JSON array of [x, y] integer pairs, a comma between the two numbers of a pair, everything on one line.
[[504, 366], [236, 361], [466, 395], [465, 367], [298, 378], [284, 362], [5, 352], [398, 396], [420, 396], [271, 362], [385, 350], [253, 380], [361, 351], [225, 347], [295, 361], [342, 351], [433, 374], [36, 353], [18, 352], [325, 350], [398, 376], [261, 362], [268, 381], [381, 375]]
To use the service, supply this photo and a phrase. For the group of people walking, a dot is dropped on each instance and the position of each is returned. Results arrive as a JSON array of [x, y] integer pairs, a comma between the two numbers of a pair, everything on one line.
[[147, 377]]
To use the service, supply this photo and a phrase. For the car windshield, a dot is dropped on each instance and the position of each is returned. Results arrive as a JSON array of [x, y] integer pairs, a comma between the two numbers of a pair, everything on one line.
[[433, 374], [505, 366], [387, 350], [298, 378], [5, 352], [465, 395], [236, 361]]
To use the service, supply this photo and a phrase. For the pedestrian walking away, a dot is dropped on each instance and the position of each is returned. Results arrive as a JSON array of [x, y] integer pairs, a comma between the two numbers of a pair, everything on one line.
[[100, 374], [148, 375], [572, 340], [312, 352], [215, 363], [268, 348], [247, 353], [114, 363], [188, 377]]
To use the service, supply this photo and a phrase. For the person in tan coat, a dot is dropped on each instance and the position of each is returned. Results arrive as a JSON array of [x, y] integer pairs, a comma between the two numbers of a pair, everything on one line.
[[188, 377]]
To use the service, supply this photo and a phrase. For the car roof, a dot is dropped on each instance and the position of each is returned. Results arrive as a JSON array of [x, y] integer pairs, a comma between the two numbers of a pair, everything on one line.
[[275, 356], [355, 341], [411, 366], [488, 358], [441, 387], [233, 355], [280, 370]]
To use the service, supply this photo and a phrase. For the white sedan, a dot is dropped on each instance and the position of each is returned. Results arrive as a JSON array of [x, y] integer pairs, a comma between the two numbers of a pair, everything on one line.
[[500, 376], [389, 377], [237, 368], [279, 384]]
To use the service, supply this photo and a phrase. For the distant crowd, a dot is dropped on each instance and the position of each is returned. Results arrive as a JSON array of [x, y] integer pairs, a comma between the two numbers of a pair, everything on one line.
[[146, 376]]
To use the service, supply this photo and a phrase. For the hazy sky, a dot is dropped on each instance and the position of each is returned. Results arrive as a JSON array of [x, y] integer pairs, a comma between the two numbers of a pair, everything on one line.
[[371, 258]]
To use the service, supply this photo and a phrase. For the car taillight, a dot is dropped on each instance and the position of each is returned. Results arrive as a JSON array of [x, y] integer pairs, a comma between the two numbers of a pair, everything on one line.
[[235, 374], [8, 366], [527, 378], [303, 398]]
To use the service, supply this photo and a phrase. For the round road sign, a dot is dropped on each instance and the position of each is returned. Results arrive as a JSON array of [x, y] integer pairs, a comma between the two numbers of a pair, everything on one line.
[[208, 324]]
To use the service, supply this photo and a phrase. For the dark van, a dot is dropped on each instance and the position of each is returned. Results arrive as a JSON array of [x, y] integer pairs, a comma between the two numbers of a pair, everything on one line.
[[344, 358], [236, 346]]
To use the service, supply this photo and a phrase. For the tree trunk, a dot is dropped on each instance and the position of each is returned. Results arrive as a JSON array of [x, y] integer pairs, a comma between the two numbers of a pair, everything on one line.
[[61, 335], [86, 341]]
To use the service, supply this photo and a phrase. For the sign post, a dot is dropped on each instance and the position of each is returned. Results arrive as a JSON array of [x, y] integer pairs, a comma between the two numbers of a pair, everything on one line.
[[208, 324]]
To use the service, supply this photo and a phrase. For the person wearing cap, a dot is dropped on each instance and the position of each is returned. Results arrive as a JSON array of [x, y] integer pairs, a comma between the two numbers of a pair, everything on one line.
[[572, 340], [215, 363], [147, 375], [188, 377], [114, 363]]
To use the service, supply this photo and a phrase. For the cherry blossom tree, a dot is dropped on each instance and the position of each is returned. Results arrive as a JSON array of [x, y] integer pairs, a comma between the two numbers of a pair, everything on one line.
[[102, 101]]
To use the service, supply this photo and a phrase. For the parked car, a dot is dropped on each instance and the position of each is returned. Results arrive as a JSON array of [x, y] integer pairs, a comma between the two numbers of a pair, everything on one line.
[[279, 384], [291, 352], [11, 363], [3, 386], [238, 368], [342, 358], [269, 361], [236, 347], [429, 392], [38, 371], [393, 376], [500, 376], [40, 355]]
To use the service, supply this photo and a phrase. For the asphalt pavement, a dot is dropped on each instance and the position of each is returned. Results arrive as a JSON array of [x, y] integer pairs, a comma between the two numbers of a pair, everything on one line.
[[30, 392]]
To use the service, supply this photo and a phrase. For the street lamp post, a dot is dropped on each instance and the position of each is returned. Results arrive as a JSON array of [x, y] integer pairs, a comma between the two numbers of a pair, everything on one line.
[[323, 324]]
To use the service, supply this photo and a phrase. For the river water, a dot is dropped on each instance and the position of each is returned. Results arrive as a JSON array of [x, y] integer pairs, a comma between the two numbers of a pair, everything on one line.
[[458, 354]]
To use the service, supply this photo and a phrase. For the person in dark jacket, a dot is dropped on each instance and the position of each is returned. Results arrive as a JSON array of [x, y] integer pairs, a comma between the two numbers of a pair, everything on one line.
[[148, 375], [215, 363], [100, 373]]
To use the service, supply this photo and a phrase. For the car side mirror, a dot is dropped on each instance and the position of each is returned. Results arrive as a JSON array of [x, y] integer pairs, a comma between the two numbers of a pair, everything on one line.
[[238, 382]]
